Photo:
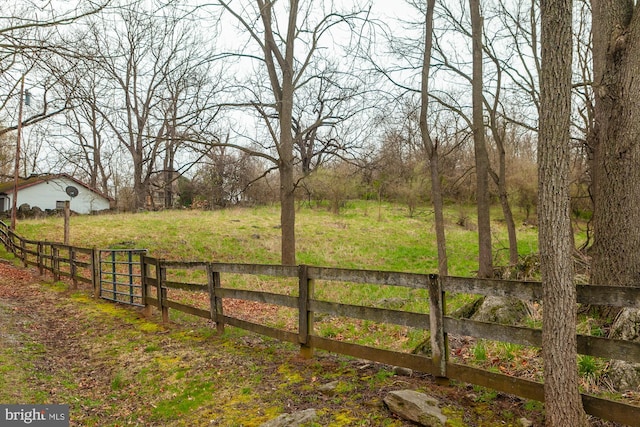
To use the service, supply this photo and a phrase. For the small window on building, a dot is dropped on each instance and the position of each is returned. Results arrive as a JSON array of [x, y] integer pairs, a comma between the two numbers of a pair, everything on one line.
[[59, 204]]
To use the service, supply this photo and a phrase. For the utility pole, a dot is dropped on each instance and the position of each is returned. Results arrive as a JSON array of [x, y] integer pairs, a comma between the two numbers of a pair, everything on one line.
[[16, 176]]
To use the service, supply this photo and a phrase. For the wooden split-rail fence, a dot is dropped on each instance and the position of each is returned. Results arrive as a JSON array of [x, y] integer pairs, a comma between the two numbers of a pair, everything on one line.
[[133, 277]]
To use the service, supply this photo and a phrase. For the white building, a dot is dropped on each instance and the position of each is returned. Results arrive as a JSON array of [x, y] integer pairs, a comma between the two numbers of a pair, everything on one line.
[[51, 192]]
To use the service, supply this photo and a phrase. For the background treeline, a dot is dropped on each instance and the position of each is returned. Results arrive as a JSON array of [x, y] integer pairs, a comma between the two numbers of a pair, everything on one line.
[[175, 109]]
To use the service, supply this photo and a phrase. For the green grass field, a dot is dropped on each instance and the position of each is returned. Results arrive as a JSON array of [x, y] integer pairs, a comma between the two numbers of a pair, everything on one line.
[[364, 235]]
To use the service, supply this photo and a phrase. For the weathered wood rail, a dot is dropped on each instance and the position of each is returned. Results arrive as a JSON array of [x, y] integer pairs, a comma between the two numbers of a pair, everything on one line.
[[62, 261], [159, 277]]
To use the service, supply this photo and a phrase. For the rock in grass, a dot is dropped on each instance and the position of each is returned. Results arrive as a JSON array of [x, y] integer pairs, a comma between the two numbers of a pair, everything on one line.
[[506, 311], [328, 389], [625, 375], [417, 407], [523, 422], [292, 420], [402, 372]]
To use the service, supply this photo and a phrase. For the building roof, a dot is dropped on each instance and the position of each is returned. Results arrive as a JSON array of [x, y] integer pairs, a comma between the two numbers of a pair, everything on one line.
[[7, 187]]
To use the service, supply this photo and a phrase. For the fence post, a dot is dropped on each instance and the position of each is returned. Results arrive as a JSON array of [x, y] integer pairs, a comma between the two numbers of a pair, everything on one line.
[[95, 267], [40, 263], [72, 267], [215, 300], [439, 346], [305, 315], [23, 250], [47, 257], [14, 246], [11, 245], [55, 262], [67, 214], [161, 275], [144, 274], [130, 271]]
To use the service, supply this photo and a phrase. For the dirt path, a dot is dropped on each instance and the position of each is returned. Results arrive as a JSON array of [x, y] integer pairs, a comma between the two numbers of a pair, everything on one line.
[[116, 368]]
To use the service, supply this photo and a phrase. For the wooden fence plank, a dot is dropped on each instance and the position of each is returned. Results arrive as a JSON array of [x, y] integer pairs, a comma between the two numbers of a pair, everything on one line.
[[408, 280], [256, 269], [187, 309], [588, 345], [185, 265], [599, 407], [609, 348], [617, 296], [610, 410], [393, 358], [493, 331], [512, 385], [383, 315], [278, 334], [191, 287], [529, 291], [257, 296]]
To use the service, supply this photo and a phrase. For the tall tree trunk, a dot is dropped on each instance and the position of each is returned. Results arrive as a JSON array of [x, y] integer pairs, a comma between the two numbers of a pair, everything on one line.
[[287, 214], [615, 143], [284, 97], [438, 208], [500, 179], [509, 223], [563, 403], [483, 198], [139, 187], [430, 147]]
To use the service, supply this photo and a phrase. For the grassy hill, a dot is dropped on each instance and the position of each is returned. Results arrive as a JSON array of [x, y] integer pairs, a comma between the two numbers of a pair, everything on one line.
[[364, 235]]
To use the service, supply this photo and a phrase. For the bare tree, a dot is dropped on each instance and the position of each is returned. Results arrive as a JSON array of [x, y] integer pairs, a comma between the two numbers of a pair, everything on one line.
[[84, 129], [487, 113], [286, 41], [563, 403], [431, 146], [29, 37], [483, 196], [409, 73], [156, 90]]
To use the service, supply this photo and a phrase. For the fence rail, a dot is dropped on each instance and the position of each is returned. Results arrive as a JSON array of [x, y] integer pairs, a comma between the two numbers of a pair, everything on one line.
[[160, 279]]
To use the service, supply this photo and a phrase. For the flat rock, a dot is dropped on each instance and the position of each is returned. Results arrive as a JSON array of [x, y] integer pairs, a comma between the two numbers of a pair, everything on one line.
[[416, 407], [328, 388], [292, 420]]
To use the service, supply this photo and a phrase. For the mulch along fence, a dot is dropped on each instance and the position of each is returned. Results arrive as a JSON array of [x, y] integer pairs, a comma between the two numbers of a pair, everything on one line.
[[158, 281]]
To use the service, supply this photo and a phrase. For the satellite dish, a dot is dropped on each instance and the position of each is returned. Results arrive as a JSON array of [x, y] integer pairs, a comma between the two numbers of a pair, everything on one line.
[[71, 191]]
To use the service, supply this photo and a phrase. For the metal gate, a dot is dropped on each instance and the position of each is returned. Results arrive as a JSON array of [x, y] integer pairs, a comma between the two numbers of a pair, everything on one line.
[[121, 275]]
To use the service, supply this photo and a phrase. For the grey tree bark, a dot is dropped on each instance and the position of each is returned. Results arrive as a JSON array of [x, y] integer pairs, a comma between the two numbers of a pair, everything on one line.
[[483, 197], [563, 403], [615, 143], [430, 146]]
